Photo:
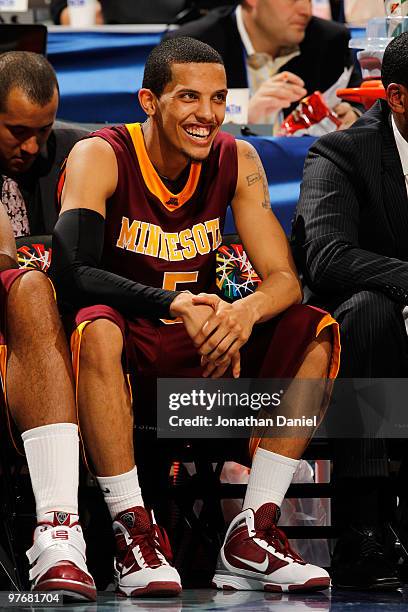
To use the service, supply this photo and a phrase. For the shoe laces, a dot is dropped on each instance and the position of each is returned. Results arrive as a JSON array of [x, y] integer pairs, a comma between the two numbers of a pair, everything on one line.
[[266, 529], [274, 536], [153, 544]]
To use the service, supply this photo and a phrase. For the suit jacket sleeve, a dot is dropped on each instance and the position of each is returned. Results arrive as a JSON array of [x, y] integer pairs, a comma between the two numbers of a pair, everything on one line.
[[326, 229]]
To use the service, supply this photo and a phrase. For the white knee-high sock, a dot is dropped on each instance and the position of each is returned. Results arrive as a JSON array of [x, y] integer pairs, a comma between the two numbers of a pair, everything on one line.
[[270, 477], [121, 492], [53, 461]]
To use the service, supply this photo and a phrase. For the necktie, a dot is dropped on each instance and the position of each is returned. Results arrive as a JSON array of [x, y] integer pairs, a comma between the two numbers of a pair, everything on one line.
[[16, 209]]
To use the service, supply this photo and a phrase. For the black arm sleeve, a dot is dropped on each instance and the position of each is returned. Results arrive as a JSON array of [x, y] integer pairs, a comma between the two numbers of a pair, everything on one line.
[[77, 246]]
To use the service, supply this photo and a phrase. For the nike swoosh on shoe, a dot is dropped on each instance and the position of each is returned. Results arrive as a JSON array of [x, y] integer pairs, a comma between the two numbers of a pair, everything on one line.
[[259, 567]]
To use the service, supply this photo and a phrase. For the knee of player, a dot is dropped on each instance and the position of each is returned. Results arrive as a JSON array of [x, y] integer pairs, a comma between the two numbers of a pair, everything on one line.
[[33, 285], [101, 345]]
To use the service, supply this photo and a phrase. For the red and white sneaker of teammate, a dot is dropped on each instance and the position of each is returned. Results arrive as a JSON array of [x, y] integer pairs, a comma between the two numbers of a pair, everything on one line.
[[143, 556], [256, 556], [57, 558]]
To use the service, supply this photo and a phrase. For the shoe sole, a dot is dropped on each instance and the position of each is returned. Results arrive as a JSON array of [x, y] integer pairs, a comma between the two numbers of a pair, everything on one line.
[[230, 582], [156, 589], [75, 591]]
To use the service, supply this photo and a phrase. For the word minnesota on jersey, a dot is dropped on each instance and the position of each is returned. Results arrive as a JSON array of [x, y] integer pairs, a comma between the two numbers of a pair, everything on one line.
[[149, 239]]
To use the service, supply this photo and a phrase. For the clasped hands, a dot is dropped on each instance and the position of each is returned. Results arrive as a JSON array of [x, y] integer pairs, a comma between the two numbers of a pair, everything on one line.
[[218, 330]]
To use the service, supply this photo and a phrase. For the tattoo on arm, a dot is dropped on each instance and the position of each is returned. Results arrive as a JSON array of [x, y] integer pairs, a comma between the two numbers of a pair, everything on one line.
[[259, 176], [253, 178]]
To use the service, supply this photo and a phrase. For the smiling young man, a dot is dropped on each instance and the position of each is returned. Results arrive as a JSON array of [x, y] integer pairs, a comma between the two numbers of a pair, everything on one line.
[[143, 209]]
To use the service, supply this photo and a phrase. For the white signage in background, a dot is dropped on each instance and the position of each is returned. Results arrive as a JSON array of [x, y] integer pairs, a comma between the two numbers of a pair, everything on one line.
[[237, 106], [82, 13], [13, 6]]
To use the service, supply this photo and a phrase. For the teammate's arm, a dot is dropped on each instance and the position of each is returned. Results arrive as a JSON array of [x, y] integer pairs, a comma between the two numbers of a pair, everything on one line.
[[268, 250], [8, 253]]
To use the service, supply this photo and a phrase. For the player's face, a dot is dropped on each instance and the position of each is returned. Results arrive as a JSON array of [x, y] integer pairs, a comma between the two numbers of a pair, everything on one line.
[[192, 109], [24, 129], [284, 21]]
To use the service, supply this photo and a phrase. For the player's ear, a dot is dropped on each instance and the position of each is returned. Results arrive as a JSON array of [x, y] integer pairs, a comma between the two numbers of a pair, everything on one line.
[[148, 101], [397, 97]]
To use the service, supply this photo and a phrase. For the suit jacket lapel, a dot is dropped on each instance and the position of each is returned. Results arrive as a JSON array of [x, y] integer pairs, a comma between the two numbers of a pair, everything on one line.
[[394, 190]]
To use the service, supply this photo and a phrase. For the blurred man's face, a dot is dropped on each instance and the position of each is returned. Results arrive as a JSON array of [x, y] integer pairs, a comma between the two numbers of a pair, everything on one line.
[[284, 21], [24, 129]]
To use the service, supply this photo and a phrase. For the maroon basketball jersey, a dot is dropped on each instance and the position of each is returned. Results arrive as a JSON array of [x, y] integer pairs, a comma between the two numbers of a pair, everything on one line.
[[162, 239]]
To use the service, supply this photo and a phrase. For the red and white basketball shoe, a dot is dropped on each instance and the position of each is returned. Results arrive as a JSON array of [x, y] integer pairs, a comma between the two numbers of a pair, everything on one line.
[[256, 555], [143, 563], [57, 558]]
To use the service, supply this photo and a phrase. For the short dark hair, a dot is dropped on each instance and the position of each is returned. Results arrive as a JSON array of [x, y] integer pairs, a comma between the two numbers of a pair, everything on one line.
[[179, 50], [395, 61], [29, 72]]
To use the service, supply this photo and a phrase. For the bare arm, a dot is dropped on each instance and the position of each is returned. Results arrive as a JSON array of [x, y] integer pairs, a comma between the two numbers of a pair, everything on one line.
[[8, 252], [267, 247], [91, 177], [264, 240]]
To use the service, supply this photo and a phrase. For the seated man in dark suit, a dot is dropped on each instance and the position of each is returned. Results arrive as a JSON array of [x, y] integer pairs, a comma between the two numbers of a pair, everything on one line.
[[31, 147], [278, 50], [351, 232]]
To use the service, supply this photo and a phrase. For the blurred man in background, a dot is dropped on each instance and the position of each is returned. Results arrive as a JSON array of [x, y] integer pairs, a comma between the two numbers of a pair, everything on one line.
[[280, 52]]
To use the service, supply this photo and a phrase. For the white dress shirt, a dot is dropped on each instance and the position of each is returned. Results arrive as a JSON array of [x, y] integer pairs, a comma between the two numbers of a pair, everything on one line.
[[261, 66], [402, 146]]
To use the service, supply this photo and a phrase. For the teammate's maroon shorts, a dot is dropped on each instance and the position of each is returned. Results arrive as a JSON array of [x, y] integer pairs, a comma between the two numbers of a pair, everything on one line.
[[276, 349]]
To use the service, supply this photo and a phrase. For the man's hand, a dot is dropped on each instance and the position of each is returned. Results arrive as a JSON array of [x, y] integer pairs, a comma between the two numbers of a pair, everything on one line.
[[194, 317], [279, 91], [347, 115], [223, 334]]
